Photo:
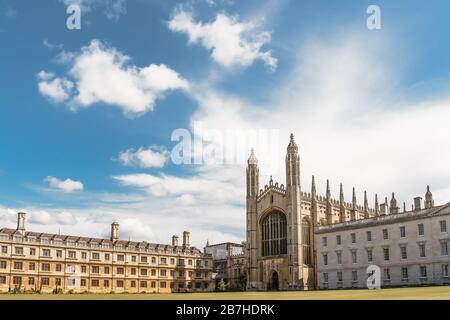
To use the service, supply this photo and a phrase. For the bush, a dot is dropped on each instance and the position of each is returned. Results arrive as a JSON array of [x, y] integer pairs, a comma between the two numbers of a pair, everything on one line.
[[58, 291], [222, 286]]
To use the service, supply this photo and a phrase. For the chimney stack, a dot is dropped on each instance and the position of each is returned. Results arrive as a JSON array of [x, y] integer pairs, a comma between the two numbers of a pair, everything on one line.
[[174, 241], [417, 203], [186, 239], [21, 222], [114, 231]]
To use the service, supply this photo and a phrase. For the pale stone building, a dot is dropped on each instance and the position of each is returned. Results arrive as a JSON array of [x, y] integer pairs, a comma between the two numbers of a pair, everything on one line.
[[410, 248], [289, 232], [34, 261]]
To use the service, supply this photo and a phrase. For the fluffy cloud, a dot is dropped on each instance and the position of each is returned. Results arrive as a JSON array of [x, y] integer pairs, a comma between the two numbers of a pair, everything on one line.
[[185, 200], [51, 46], [353, 121], [56, 90], [232, 43], [65, 218], [103, 75], [204, 186], [43, 217], [152, 157], [66, 186], [133, 229]]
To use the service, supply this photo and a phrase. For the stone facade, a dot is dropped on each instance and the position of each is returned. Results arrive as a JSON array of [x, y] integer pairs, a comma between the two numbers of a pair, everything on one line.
[[286, 227], [230, 263], [279, 229], [31, 261], [410, 248]]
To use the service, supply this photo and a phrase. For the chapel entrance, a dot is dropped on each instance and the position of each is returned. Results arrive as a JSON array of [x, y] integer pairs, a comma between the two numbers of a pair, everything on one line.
[[274, 281]]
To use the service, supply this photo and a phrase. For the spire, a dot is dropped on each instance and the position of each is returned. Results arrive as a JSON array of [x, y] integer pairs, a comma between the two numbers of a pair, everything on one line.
[[377, 206], [366, 206], [404, 206], [329, 213], [354, 211], [314, 206], [252, 159], [429, 202], [394, 208], [313, 187], [354, 198], [252, 175], [341, 205], [292, 166], [292, 146], [328, 191]]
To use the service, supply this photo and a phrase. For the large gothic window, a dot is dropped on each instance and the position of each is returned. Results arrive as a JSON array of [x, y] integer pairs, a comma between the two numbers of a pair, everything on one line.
[[306, 242], [274, 234]]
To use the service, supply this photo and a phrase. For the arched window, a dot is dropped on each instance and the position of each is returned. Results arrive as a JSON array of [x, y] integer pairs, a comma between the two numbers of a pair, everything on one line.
[[274, 234], [306, 241]]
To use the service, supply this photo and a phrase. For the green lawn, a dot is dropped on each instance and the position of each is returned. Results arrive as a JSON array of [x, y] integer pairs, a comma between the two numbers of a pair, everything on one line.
[[422, 293]]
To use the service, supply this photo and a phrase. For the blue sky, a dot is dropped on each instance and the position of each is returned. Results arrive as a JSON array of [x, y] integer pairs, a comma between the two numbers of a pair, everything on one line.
[[368, 107]]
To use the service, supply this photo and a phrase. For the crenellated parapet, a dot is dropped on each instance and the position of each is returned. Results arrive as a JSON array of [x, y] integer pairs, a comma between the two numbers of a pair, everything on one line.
[[274, 187]]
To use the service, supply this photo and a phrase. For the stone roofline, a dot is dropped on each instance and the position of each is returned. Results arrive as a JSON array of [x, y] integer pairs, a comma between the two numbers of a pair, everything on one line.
[[280, 189], [385, 219], [222, 243], [96, 243]]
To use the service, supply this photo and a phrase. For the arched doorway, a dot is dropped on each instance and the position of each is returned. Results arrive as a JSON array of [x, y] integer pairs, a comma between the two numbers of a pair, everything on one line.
[[274, 281]]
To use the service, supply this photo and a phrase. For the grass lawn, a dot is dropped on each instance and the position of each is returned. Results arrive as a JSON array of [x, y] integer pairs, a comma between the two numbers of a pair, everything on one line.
[[421, 293]]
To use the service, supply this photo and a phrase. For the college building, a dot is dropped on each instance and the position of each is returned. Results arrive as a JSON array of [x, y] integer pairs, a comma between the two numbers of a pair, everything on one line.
[[32, 261], [230, 265], [410, 248], [299, 240]]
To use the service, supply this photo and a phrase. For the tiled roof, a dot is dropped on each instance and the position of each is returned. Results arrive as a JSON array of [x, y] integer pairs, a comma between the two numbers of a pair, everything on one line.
[[124, 243]]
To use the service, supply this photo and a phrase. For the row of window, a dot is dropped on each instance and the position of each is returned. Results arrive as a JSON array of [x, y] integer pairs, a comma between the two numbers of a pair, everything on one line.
[[387, 253], [107, 257], [45, 281], [423, 274], [18, 265], [385, 233]]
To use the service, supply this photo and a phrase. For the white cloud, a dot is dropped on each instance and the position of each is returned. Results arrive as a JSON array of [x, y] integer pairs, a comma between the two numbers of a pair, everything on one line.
[[353, 121], [46, 43], [232, 43], [152, 157], [40, 217], [206, 188], [66, 218], [185, 200], [66, 186], [56, 90], [104, 75], [43, 217], [133, 229]]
